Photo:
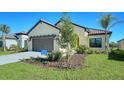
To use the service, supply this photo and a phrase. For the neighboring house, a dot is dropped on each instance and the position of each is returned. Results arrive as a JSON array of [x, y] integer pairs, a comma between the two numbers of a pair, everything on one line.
[[43, 36], [10, 40], [22, 39], [18, 39], [121, 44]]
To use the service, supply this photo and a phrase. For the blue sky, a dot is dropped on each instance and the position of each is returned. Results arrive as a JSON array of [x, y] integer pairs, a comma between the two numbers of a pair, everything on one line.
[[23, 21]]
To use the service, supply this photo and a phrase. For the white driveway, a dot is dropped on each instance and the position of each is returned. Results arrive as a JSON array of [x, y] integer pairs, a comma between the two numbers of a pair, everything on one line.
[[17, 57]]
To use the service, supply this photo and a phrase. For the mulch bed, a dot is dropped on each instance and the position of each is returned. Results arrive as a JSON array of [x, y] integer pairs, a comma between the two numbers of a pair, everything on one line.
[[76, 61]]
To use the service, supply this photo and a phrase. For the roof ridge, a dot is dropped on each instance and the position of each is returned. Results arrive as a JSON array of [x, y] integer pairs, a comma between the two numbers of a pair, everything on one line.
[[41, 20], [120, 39], [82, 26], [99, 29], [72, 23]]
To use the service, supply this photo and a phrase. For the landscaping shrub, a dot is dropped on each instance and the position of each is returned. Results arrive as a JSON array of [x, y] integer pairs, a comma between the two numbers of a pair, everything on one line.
[[22, 49], [54, 56], [17, 49], [117, 54], [89, 51], [50, 56], [95, 51], [57, 56], [1, 48], [81, 49], [13, 48], [32, 59], [103, 52]]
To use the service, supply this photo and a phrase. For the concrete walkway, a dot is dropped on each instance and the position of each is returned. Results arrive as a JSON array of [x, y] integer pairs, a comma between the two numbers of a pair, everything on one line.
[[17, 57]]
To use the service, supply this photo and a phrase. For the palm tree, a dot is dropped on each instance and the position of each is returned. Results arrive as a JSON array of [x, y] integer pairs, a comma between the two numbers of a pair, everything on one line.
[[5, 30], [105, 22]]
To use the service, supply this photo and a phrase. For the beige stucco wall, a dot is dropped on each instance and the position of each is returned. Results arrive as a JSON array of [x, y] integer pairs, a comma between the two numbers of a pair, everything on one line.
[[56, 45], [43, 29], [30, 44], [121, 45], [83, 35], [103, 40]]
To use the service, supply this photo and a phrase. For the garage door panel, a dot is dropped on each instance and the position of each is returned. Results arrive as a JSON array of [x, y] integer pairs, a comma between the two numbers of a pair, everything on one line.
[[42, 43]]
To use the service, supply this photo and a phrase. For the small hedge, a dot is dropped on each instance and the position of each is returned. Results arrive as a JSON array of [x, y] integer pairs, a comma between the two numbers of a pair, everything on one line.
[[117, 54], [82, 49]]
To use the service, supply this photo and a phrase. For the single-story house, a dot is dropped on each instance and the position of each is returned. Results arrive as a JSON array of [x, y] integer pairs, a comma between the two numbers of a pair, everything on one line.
[[10, 40], [43, 35], [18, 39], [121, 44]]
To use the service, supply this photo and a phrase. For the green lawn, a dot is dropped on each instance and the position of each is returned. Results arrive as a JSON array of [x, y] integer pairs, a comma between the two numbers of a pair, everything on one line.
[[6, 53], [98, 67]]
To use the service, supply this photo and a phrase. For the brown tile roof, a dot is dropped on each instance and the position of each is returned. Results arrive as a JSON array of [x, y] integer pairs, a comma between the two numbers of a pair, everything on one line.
[[97, 31], [91, 31]]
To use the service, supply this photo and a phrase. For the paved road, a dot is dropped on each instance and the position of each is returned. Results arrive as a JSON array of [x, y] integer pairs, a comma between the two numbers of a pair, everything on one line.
[[17, 57]]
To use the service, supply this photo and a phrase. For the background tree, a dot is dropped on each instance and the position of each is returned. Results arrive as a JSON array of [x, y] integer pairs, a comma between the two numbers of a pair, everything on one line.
[[113, 45], [5, 30], [67, 36]]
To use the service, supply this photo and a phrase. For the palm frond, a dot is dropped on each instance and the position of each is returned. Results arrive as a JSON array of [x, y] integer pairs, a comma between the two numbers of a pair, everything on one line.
[[116, 23], [4, 28], [106, 20]]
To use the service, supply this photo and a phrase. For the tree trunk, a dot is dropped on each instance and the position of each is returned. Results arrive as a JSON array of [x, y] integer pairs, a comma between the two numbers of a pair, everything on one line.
[[4, 42], [68, 51], [106, 44]]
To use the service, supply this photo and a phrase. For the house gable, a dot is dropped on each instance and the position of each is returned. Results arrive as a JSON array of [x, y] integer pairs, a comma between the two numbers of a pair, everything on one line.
[[43, 28]]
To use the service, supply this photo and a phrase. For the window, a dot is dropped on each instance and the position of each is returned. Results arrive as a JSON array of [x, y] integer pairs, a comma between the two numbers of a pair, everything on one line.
[[96, 42], [1, 43]]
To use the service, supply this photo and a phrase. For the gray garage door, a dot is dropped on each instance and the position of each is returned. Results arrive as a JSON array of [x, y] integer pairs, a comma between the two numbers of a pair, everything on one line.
[[42, 43]]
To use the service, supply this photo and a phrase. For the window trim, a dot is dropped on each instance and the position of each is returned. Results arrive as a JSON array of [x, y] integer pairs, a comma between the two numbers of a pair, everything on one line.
[[95, 42]]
